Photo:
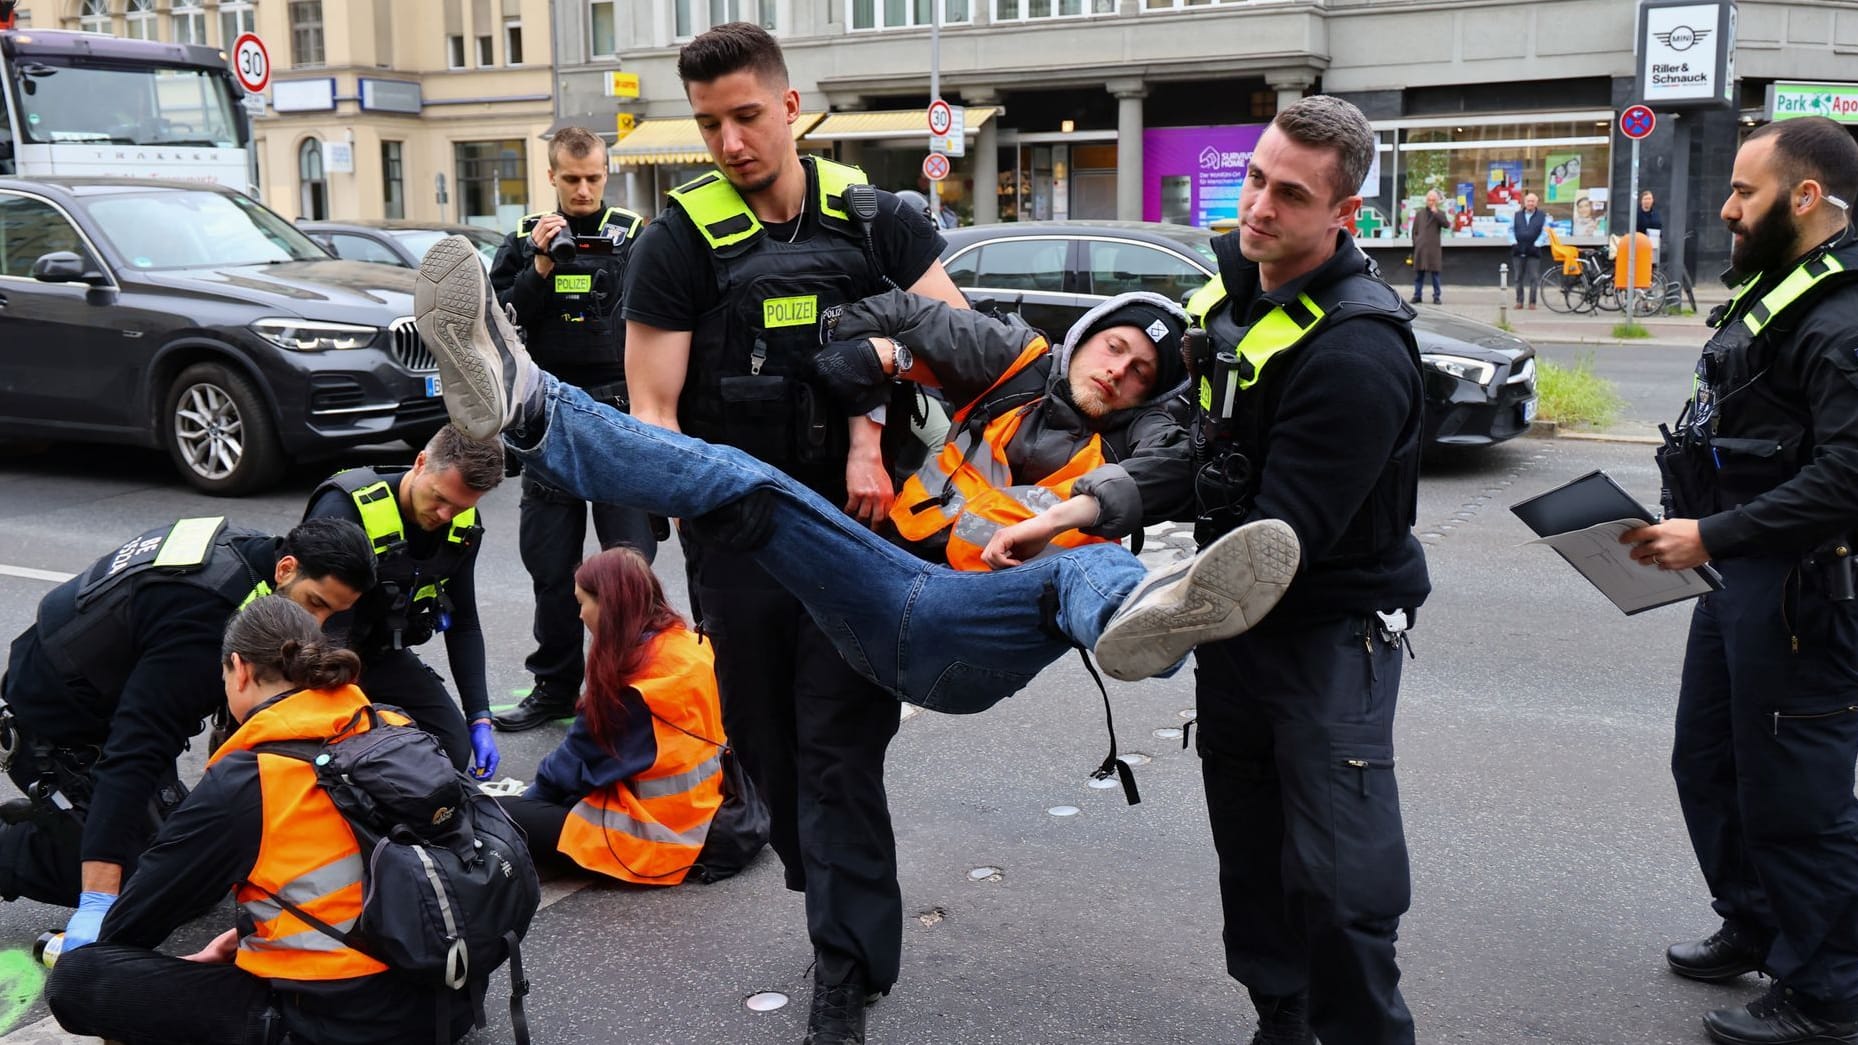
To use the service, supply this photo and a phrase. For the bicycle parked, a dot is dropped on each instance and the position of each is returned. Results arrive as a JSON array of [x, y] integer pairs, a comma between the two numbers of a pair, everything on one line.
[[1584, 281]]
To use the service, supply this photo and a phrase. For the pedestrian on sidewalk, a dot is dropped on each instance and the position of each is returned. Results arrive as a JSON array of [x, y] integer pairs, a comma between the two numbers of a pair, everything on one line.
[[1528, 231], [1428, 255]]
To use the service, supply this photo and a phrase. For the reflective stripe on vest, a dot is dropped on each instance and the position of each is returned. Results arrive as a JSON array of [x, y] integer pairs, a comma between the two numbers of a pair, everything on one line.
[[257, 593], [188, 541], [380, 516], [308, 854], [1283, 328], [725, 219], [650, 828], [1793, 288]]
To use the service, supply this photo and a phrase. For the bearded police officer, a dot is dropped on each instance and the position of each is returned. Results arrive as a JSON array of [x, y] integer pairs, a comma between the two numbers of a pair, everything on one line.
[[423, 526], [117, 672], [563, 272], [723, 295], [1309, 400], [1762, 477]]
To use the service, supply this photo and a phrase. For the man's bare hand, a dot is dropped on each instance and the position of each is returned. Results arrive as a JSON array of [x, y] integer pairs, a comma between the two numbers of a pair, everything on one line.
[[867, 482], [1675, 544], [543, 232], [222, 950], [1013, 545]]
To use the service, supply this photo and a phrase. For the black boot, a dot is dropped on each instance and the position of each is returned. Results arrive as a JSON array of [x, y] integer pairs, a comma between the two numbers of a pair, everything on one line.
[[542, 705], [1723, 955], [1283, 1019], [1776, 1019], [837, 1017]]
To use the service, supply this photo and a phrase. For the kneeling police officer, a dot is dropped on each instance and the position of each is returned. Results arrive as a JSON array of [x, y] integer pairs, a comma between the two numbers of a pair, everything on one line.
[[563, 273], [116, 673]]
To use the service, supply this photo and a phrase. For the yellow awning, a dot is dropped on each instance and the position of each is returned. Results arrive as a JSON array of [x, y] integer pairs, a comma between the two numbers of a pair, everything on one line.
[[890, 124], [676, 139]]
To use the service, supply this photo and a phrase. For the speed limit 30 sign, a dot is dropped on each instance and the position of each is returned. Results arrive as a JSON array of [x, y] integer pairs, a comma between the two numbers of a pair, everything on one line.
[[251, 63]]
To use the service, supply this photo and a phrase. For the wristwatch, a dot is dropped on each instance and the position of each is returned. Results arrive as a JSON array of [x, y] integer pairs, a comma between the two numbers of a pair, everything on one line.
[[901, 355]]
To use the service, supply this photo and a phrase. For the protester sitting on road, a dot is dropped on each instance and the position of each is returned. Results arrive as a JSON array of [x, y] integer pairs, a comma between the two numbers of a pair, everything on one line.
[[105, 689], [254, 821], [944, 639], [633, 790], [426, 533]]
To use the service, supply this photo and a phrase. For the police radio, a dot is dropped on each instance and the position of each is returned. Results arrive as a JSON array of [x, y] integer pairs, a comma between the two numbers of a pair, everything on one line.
[[861, 203]]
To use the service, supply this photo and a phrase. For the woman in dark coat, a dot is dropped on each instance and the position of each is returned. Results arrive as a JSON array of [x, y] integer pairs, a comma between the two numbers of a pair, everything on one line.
[[1428, 255]]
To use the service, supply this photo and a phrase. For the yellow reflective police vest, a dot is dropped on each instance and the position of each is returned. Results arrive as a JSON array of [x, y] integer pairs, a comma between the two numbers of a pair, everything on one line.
[[1282, 329], [413, 591]]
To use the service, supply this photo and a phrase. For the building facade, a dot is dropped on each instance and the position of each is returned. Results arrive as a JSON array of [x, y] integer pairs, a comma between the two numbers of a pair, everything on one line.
[[1148, 109], [431, 111]]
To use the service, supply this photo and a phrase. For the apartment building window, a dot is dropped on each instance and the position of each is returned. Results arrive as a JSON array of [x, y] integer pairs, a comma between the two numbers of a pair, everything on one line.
[[602, 39], [1024, 10], [140, 20], [454, 51], [513, 41], [235, 17], [189, 21], [486, 51], [690, 17], [313, 190], [393, 179], [306, 33], [94, 16], [903, 14]]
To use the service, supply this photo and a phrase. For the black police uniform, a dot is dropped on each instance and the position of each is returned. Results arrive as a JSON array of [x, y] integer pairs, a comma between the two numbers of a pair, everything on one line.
[[812, 731], [427, 584], [1296, 715], [573, 327], [1766, 459], [104, 690]]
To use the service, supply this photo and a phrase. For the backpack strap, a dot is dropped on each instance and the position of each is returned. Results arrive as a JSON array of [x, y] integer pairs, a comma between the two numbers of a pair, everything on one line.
[[1048, 623], [519, 987]]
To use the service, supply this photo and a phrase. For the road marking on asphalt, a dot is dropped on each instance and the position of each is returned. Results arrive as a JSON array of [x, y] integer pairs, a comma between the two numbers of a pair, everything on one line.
[[34, 575]]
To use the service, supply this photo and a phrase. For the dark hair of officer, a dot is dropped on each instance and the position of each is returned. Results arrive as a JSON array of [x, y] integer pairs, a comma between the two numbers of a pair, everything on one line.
[[479, 461], [732, 47], [632, 608], [1330, 123], [331, 547], [283, 643], [1814, 149], [575, 142]]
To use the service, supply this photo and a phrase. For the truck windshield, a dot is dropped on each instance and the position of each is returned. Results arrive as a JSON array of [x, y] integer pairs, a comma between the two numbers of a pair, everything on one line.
[[65, 102]]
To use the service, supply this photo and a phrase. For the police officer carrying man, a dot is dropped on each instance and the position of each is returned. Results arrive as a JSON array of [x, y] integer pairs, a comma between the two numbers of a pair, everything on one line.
[[115, 675], [423, 526], [1309, 397], [1762, 478], [723, 297], [569, 310]]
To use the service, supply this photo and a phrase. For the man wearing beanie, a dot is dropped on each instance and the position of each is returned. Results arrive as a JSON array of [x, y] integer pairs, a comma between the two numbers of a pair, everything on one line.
[[1090, 432]]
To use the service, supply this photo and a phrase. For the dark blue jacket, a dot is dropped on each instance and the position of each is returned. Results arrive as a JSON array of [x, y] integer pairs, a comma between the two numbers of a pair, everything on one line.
[[1527, 231]]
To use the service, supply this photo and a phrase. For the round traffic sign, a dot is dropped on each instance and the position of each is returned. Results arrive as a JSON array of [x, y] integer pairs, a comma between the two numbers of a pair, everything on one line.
[[935, 166], [1637, 122], [941, 117], [251, 63]]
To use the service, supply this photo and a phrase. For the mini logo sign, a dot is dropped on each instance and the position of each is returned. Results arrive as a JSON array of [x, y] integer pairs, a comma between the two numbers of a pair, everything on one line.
[[1156, 331], [1682, 38], [441, 815], [1212, 159]]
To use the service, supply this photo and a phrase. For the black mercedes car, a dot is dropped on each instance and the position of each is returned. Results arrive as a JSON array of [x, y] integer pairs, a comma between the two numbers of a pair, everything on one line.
[[1480, 381], [187, 316], [396, 242]]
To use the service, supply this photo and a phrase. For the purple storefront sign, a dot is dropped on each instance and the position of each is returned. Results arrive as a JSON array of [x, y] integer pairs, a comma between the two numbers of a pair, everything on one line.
[[1193, 175]]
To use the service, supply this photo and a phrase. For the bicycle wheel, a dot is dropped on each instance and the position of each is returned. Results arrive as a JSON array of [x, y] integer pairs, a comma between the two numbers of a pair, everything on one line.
[[1651, 300], [1607, 296], [1561, 293]]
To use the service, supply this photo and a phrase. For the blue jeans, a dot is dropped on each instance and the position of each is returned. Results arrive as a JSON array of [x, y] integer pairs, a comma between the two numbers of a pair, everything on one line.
[[945, 639]]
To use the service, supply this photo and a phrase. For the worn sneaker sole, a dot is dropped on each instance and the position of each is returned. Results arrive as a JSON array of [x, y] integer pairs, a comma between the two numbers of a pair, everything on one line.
[[1225, 590], [451, 296]]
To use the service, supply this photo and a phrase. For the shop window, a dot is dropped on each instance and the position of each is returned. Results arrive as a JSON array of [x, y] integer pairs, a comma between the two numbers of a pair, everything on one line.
[[492, 179], [1484, 170], [235, 17], [1028, 264], [1120, 268], [94, 16], [905, 14], [313, 190], [139, 22], [393, 179], [306, 33]]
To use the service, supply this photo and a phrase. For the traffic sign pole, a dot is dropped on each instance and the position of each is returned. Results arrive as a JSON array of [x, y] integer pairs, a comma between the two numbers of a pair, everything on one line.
[[1637, 123], [935, 95]]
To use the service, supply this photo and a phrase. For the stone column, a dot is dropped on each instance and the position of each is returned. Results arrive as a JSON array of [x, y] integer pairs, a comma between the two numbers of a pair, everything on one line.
[[986, 151], [1129, 174], [1290, 85]]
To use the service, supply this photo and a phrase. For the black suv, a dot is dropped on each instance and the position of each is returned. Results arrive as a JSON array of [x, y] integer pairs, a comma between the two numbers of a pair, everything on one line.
[[188, 316]]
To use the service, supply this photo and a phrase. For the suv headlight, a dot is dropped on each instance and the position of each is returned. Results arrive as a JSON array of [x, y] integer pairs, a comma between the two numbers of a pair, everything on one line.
[[1461, 367], [308, 335]]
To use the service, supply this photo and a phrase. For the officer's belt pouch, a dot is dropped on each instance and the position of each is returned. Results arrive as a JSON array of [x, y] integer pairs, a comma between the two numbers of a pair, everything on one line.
[[1689, 475], [758, 415], [1748, 468]]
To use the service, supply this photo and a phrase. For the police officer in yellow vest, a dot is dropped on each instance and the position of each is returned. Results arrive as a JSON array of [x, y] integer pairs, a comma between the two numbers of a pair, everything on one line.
[[723, 296], [1308, 409], [116, 674], [1762, 477], [256, 822], [569, 310], [423, 525]]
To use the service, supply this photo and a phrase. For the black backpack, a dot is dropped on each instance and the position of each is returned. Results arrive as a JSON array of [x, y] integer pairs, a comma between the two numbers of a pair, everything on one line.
[[448, 889]]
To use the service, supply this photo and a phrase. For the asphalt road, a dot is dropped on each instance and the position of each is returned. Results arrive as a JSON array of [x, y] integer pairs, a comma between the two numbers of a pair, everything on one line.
[[1653, 379], [1550, 864]]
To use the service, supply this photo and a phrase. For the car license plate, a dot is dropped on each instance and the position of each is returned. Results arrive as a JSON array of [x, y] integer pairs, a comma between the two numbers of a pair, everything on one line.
[[433, 389], [1528, 410]]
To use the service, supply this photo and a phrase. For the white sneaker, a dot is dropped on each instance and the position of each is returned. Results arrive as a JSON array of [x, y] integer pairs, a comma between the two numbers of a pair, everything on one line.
[[1217, 594], [485, 372]]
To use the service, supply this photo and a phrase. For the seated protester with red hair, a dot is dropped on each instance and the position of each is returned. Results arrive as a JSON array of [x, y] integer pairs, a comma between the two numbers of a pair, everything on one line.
[[634, 788], [255, 822]]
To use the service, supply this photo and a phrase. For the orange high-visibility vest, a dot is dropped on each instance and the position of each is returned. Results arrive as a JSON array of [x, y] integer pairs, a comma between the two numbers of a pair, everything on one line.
[[650, 828], [308, 855], [968, 487]]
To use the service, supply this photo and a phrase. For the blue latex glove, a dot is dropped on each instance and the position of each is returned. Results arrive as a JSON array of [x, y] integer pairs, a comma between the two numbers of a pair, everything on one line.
[[484, 755], [84, 925]]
